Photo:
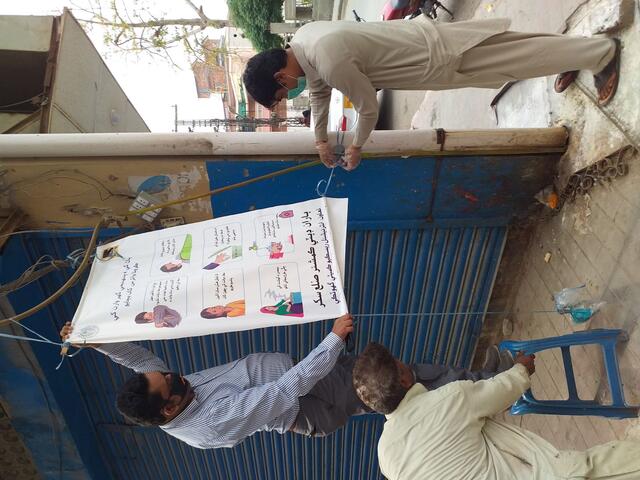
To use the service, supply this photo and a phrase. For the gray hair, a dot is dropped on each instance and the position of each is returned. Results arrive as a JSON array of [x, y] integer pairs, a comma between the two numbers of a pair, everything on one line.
[[376, 379]]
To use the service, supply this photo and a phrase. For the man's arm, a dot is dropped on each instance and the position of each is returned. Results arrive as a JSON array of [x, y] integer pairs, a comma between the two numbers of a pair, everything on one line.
[[347, 78], [133, 356], [236, 417], [129, 355], [319, 99], [492, 396], [382, 462]]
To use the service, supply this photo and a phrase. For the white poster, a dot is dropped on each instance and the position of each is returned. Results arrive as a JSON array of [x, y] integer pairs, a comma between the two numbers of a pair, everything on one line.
[[277, 266]]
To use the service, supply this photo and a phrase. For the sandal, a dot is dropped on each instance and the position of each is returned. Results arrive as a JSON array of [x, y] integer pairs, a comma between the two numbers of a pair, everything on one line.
[[606, 81], [564, 80]]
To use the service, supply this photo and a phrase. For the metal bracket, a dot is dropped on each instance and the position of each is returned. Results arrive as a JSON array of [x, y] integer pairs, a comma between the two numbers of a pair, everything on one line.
[[441, 137]]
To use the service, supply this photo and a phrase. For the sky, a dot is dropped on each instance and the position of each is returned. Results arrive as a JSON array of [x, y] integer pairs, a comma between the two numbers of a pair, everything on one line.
[[153, 86]]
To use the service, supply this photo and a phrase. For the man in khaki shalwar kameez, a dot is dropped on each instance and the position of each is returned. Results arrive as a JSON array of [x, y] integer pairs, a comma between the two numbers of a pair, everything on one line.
[[358, 58], [447, 434]]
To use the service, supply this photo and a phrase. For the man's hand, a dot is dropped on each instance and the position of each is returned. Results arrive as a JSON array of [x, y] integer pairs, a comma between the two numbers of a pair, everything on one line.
[[343, 326], [65, 333], [221, 257], [527, 360], [325, 151], [352, 157]]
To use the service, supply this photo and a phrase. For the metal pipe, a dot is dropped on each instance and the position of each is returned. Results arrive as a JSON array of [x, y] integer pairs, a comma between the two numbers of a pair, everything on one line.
[[396, 142]]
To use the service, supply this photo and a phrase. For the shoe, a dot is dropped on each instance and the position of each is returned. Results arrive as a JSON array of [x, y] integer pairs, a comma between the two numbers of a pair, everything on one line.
[[563, 80], [606, 81], [491, 359]]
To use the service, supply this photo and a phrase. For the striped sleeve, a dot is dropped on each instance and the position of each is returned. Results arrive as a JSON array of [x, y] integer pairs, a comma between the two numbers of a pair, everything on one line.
[[234, 418], [133, 356]]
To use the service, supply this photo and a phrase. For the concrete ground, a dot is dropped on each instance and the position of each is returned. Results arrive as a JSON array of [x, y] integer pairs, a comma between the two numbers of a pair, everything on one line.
[[593, 241]]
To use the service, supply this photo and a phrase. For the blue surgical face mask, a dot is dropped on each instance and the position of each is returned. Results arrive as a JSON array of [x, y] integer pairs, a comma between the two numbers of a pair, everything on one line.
[[294, 92]]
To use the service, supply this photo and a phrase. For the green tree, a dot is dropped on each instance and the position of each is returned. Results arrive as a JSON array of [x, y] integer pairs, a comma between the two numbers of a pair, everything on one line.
[[254, 17]]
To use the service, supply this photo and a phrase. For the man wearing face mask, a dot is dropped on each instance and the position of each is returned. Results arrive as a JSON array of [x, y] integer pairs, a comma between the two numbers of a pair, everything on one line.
[[221, 406], [358, 58]]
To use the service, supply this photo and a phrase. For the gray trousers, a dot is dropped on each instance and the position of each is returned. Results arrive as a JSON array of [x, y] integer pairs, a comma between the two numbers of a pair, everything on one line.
[[333, 399], [517, 56]]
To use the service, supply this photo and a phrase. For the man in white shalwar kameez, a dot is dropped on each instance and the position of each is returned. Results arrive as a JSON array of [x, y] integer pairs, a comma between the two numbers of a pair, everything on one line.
[[358, 58], [448, 433]]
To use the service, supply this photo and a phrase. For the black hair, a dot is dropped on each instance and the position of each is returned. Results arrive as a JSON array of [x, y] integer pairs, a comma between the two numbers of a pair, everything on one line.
[[140, 318], [165, 268], [205, 313], [136, 403], [258, 75], [376, 379]]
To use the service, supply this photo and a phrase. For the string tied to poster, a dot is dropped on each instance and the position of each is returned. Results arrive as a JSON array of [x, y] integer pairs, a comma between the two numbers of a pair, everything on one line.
[[338, 152], [41, 339], [75, 257]]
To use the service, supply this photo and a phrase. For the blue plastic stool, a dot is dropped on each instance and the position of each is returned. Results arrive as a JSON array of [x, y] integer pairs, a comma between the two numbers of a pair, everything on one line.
[[574, 405]]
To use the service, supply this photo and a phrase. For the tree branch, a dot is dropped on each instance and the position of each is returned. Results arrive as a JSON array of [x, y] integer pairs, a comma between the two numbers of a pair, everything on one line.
[[195, 22], [199, 11]]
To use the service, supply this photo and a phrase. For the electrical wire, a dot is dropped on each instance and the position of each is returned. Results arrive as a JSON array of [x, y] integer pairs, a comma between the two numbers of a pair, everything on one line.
[[226, 188], [94, 237], [67, 285], [43, 266], [30, 99], [49, 230]]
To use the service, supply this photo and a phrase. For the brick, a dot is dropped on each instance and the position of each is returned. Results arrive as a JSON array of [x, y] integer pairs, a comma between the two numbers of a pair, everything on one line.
[[613, 15], [630, 256], [603, 426], [634, 341], [589, 434], [609, 234], [620, 426], [627, 186], [607, 198], [573, 433], [589, 244]]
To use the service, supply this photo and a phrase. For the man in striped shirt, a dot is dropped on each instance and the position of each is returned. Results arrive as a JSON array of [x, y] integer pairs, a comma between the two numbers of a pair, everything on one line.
[[223, 405]]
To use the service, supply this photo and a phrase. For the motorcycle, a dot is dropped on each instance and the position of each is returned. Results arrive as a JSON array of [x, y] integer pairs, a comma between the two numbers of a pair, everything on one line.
[[398, 9]]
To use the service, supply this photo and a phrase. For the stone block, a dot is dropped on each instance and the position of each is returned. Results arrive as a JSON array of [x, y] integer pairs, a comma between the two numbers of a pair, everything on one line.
[[611, 15]]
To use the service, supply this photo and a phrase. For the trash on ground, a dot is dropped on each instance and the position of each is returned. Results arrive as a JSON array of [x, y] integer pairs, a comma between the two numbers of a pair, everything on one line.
[[575, 302], [548, 197]]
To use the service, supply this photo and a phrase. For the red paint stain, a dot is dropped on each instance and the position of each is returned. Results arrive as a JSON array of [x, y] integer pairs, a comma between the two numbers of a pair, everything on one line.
[[466, 195]]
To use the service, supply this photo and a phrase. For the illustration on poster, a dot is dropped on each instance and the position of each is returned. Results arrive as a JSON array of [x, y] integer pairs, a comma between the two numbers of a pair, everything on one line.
[[232, 252], [233, 309], [198, 279], [291, 306], [274, 235], [161, 316], [184, 256], [222, 243]]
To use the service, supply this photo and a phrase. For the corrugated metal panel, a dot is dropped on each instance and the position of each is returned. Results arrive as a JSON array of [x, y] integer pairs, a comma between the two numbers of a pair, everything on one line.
[[388, 271], [395, 193]]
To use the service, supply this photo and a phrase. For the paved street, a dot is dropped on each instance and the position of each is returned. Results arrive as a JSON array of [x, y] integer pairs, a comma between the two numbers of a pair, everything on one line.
[[370, 10], [398, 107]]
